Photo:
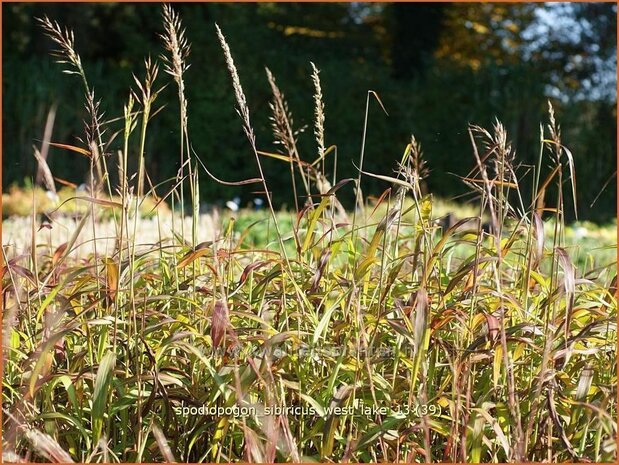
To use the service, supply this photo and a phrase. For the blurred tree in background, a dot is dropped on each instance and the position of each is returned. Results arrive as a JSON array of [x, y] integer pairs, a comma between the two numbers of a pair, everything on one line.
[[436, 67]]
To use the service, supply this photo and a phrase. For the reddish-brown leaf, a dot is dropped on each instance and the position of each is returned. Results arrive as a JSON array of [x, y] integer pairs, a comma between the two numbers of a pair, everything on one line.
[[493, 326], [380, 200], [322, 263], [58, 253], [24, 273], [220, 321], [249, 268], [191, 256], [72, 148]]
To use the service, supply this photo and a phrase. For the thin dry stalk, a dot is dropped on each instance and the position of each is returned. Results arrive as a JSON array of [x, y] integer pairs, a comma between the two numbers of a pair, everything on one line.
[[176, 65], [358, 192], [547, 366], [243, 111], [146, 98], [67, 54], [497, 145], [94, 134], [45, 173], [560, 150]]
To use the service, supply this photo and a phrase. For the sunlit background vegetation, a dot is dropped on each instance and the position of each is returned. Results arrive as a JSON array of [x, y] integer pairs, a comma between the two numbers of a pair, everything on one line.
[[436, 67]]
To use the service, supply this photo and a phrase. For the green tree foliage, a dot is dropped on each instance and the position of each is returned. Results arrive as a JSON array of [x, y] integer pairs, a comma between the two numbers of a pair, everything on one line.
[[436, 69]]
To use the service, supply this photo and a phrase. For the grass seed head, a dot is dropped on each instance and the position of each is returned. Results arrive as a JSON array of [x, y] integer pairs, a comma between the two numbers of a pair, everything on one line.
[[319, 112], [242, 108]]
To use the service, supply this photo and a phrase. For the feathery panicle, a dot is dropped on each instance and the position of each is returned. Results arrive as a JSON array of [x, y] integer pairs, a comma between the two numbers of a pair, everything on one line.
[[498, 149], [243, 112], [495, 166], [94, 133], [504, 154], [130, 118], [412, 167], [176, 64], [147, 96], [554, 145], [281, 118], [66, 54], [485, 187], [129, 115], [555, 130], [496, 143], [282, 123], [418, 164], [500, 137], [65, 40], [319, 107], [557, 148], [92, 128], [322, 182], [555, 134], [146, 99], [175, 42], [243, 109], [282, 126]]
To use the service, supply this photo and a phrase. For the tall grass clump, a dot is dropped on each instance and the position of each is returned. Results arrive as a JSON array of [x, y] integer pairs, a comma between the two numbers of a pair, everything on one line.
[[394, 333]]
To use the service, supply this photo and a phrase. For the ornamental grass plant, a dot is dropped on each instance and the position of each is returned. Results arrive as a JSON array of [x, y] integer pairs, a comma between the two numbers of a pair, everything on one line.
[[380, 334]]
